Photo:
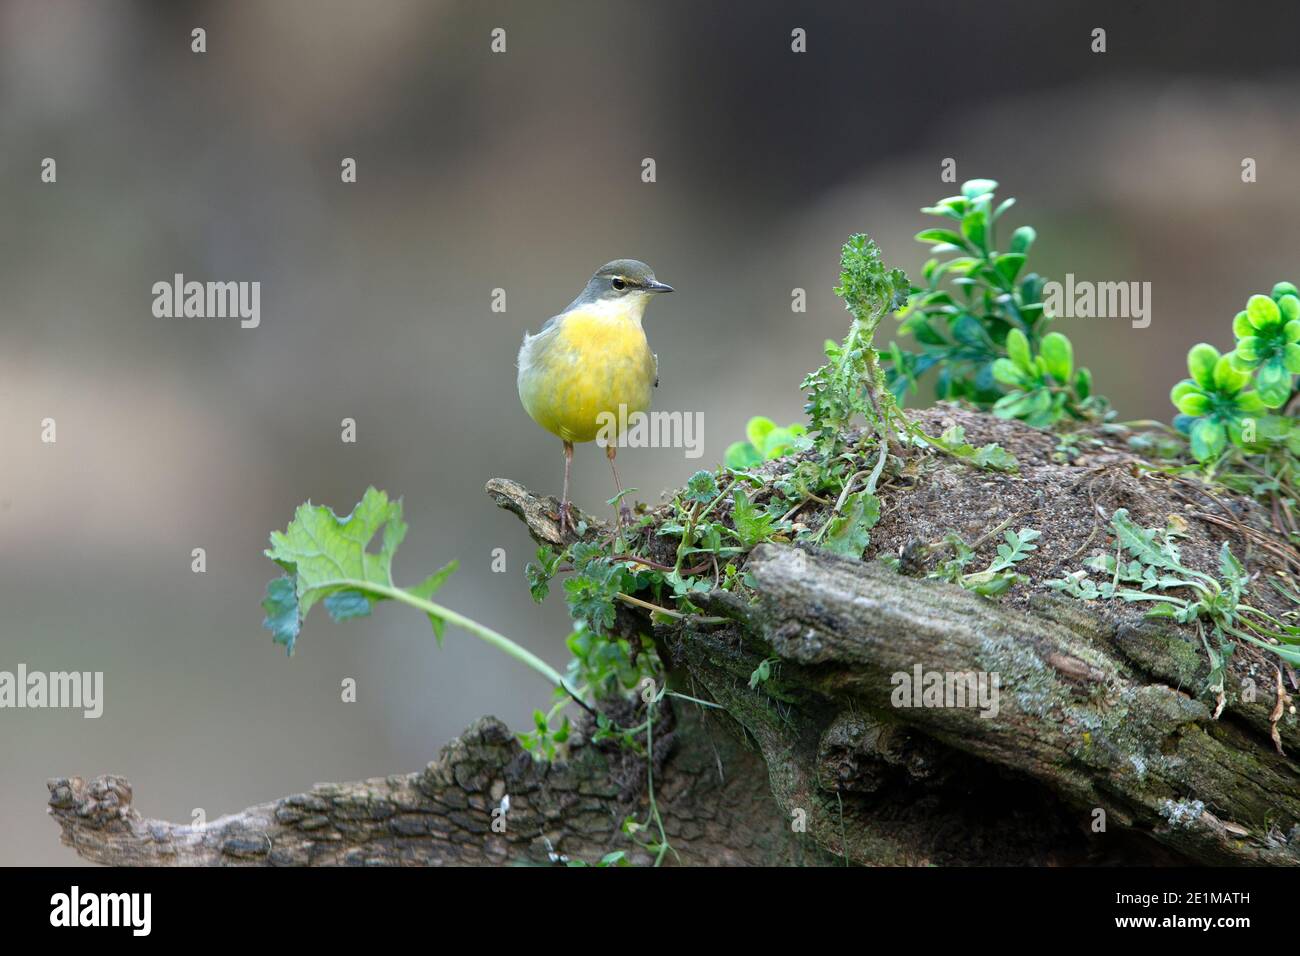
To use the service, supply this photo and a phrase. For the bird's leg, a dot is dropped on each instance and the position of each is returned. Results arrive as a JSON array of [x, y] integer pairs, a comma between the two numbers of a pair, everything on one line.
[[566, 509], [624, 512]]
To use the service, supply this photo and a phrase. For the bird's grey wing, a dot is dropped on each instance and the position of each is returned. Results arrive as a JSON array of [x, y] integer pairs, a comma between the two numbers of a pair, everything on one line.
[[551, 323], [532, 343]]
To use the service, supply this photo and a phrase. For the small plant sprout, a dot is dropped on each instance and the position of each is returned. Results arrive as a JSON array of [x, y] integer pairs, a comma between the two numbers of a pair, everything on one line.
[[1000, 575]]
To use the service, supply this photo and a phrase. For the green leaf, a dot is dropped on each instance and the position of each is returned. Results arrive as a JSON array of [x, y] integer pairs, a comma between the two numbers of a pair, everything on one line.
[[849, 532], [281, 606], [1201, 360], [1191, 400], [346, 605], [783, 441], [701, 487], [1291, 354], [753, 526], [1142, 543], [974, 188], [1227, 378], [1208, 439], [974, 226], [1262, 312], [1018, 351], [1058, 355], [1022, 240], [994, 457], [1024, 405], [325, 554], [742, 455], [991, 457], [757, 428], [1249, 403], [1230, 568], [590, 596], [1083, 384], [429, 587], [941, 236], [1273, 383], [539, 575], [1009, 265], [1008, 373], [1018, 546], [1241, 326]]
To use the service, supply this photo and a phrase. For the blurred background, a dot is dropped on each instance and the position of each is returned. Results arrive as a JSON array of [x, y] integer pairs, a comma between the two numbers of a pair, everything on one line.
[[519, 171]]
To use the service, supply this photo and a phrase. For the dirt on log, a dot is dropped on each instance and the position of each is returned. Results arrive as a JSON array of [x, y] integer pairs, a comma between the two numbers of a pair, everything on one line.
[[1103, 747]]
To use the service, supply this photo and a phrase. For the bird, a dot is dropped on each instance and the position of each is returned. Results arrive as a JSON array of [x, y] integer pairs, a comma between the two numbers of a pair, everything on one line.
[[592, 361]]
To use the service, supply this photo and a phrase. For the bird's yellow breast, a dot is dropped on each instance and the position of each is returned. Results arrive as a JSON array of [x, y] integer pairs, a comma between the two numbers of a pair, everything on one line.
[[592, 360]]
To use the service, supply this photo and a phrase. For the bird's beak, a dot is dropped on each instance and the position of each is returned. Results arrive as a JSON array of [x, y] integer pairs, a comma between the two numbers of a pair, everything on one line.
[[654, 285]]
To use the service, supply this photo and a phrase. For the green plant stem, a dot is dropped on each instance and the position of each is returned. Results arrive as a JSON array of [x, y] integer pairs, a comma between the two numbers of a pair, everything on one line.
[[484, 633], [664, 846], [646, 605], [694, 700], [693, 519]]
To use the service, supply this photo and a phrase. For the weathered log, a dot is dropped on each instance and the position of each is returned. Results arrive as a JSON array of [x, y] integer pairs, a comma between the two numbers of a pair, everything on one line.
[[1102, 746], [1074, 716], [483, 801]]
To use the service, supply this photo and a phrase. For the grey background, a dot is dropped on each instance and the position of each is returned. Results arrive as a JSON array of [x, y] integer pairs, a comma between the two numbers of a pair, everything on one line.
[[519, 171]]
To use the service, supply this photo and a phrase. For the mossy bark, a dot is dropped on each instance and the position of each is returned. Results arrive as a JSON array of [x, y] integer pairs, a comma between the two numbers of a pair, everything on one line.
[[1100, 749]]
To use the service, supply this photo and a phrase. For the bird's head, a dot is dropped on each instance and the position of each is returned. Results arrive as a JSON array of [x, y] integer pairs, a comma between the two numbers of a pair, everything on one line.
[[623, 281]]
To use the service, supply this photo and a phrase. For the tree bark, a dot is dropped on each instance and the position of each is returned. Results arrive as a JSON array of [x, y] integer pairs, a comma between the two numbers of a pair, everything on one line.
[[1095, 753]]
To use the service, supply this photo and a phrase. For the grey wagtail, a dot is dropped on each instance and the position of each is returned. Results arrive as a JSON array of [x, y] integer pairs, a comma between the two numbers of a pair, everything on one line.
[[588, 361]]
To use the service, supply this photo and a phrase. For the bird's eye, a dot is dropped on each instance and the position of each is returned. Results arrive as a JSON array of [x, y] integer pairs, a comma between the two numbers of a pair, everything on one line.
[[618, 284]]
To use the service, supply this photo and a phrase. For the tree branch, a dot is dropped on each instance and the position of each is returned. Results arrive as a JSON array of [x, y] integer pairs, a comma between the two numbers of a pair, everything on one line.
[[444, 814], [1097, 718]]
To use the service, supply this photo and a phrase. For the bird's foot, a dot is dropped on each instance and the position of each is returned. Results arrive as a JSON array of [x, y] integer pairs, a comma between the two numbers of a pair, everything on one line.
[[566, 517], [624, 514]]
